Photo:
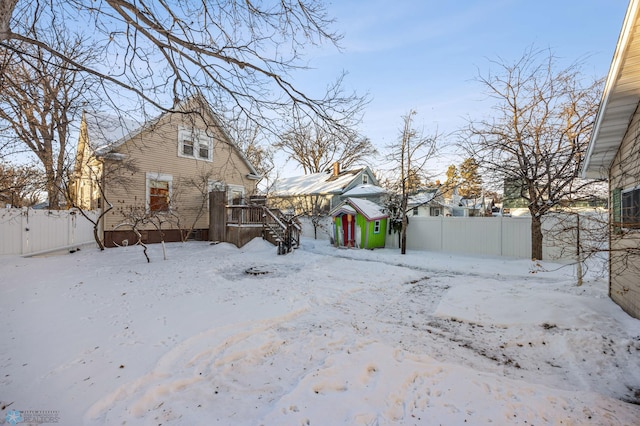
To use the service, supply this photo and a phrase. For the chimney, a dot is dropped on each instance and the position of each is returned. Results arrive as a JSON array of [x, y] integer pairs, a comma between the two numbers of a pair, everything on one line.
[[336, 168]]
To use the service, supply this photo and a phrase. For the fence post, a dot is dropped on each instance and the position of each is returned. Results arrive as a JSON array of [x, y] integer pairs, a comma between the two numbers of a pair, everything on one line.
[[24, 230], [71, 225]]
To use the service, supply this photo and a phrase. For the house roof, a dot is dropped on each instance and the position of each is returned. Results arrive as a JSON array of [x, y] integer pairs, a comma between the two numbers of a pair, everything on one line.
[[314, 184], [421, 198], [364, 190], [619, 99], [107, 132], [369, 209]]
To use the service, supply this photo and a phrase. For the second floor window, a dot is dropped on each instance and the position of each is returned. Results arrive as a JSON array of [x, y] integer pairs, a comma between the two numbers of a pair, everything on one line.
[[195, 143]]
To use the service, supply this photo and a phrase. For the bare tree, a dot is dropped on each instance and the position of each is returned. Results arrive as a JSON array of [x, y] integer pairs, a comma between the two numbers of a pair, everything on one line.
[[39, 98], [253, 143], [538, 136], [316, 147], [409, 157], [19, 185], [241, 54], [85, 187], [186, 219]]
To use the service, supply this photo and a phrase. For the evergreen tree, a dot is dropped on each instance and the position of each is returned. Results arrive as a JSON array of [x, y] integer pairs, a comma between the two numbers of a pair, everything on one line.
[[470, 180]]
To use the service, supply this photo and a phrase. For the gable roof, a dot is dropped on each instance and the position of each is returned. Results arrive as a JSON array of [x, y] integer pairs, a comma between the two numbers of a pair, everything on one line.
[[106, 132], [364, 190], [619, 99], [314, 184], [423, 197], [369, 209]]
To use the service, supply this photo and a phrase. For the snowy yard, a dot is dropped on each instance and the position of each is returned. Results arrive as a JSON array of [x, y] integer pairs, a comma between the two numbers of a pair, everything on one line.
[[322, 337]]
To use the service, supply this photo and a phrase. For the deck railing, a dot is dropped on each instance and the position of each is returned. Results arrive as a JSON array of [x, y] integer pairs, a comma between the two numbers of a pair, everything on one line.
[[285, 230]]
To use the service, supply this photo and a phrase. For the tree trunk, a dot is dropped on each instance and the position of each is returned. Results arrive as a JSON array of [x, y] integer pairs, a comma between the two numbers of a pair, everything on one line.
[[536, 237], [403, 228]]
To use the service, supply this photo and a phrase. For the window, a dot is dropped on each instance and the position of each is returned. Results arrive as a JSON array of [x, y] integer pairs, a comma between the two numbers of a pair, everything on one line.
[[434, 211], [235, 194], [416, 211], [187, 148], [365, 179], [376, 227], [203, 151], [630, 208], [195, 143], [158, 192]]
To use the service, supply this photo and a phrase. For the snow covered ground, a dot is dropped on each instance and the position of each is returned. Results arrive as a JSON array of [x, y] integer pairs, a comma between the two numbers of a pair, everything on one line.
[[322, 336]]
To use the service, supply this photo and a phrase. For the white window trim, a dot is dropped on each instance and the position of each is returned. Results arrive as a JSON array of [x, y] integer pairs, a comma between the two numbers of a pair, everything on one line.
[[159, 177], [198, 137], [377, 226], [230, 189], [365, 179]]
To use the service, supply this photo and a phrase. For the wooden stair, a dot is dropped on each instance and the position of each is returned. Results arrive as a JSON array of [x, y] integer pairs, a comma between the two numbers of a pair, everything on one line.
[[284, 230]]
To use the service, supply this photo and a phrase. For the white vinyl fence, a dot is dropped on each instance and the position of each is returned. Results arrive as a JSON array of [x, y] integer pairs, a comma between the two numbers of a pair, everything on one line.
[[490, 236], [30, 232]]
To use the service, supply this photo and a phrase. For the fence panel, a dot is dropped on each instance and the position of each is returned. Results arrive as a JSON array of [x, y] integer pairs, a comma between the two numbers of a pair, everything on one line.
[[28, 231], [11, 231], [490, 236], [516, 237]]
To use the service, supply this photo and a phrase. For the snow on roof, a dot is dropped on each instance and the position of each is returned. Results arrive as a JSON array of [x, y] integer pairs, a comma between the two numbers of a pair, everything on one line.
[[473, 203], [422, 198], [106, 131], [343, 209], [363, 190], [368, 209], [316, 183]]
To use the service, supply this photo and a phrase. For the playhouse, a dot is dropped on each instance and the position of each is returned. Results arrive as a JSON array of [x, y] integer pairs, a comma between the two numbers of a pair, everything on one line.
[[359, 223]]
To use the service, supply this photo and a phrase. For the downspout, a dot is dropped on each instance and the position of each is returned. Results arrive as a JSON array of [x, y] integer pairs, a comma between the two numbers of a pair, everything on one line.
[[103, 201]]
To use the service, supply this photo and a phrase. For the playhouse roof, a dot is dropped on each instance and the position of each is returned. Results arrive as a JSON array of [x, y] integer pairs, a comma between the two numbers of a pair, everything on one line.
[[369, 209]]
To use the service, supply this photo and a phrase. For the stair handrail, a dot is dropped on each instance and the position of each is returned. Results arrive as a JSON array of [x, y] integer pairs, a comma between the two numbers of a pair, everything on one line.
[[274, 217]]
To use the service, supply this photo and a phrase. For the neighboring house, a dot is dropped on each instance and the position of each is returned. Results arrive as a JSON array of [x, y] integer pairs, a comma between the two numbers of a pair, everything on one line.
[[318, 193], [158, 173], [427, 203], [366, 191], [515, 204], [614, 153], [359, 223], [471, 207]]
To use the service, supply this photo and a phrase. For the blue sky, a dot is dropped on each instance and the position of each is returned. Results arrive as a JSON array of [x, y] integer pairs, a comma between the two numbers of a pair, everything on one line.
[[425, 55]]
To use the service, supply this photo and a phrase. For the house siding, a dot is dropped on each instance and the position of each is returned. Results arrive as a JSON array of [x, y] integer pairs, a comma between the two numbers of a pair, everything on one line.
[[379, 239], [624, 287], [155, 150]]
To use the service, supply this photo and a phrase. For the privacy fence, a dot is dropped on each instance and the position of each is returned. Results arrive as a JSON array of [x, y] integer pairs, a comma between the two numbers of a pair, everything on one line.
[[490, 236], [31, 232]]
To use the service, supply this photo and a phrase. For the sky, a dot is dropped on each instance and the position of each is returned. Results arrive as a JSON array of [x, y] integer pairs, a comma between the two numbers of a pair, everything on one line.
[[323, 336], [426, 55]]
